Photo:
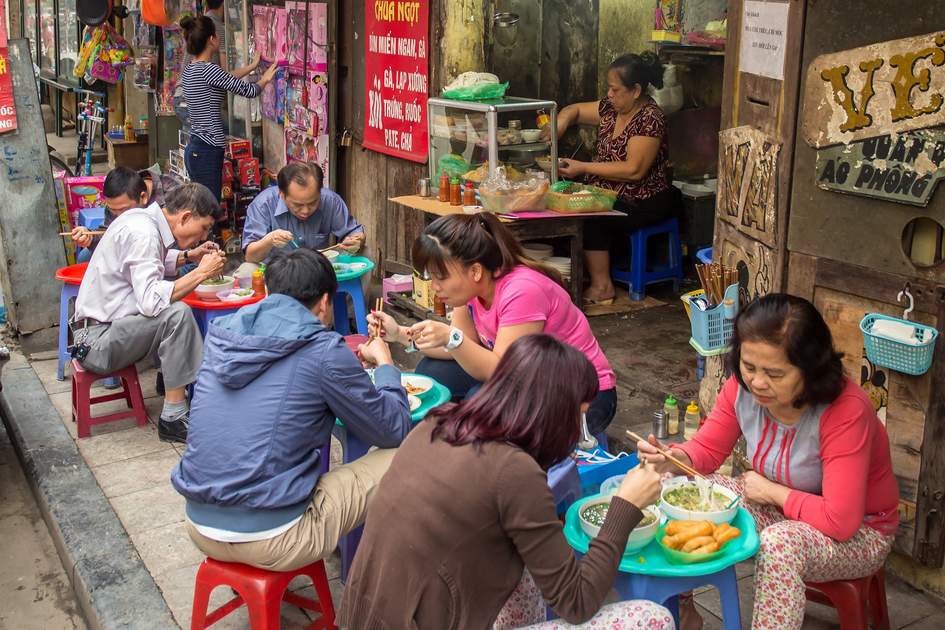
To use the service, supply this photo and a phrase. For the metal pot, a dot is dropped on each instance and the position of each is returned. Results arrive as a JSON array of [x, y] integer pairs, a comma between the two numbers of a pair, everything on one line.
[[506, 27]]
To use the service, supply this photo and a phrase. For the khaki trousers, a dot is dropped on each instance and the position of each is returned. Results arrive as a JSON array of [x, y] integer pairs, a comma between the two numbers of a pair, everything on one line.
[[339, 504]]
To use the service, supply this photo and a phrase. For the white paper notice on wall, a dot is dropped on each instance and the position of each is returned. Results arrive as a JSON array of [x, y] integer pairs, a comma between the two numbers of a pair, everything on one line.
[[764, 37]]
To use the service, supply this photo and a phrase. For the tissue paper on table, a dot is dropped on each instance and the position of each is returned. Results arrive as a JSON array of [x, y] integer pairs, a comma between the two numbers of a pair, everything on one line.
[[897, 331]]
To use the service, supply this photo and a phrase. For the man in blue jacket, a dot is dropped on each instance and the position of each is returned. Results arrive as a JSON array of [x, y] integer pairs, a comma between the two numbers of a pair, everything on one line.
[[272, 382]]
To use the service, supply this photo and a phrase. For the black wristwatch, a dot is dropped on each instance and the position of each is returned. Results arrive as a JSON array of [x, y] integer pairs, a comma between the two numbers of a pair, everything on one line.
[[186, 259]]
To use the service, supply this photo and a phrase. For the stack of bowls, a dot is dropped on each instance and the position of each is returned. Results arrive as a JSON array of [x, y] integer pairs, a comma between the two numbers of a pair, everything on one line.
[[538, 251], [562, 264]]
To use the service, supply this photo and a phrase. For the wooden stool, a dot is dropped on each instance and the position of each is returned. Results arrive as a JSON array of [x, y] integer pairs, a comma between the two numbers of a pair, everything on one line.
[[857, 601], [263, 593], [82, 399]]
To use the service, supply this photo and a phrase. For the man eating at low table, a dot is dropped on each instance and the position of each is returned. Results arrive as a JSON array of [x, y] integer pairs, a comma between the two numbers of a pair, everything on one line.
[[299, 213], [126, 310], [274, 378]]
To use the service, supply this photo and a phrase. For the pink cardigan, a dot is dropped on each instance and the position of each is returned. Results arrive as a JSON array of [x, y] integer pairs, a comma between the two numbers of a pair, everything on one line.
[[847, 453]]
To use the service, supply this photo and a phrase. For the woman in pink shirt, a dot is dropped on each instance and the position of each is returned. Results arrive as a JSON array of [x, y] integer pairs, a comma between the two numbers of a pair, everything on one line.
[[498, 295], [821, 488]]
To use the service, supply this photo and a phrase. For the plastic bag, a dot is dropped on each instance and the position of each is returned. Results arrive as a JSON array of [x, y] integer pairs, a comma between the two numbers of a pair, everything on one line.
[[453, 165], [480, 92]]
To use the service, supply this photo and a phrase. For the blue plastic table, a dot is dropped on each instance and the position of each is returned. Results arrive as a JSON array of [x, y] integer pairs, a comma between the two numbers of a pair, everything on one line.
[[647, 574], [352, 448], [349, 283]]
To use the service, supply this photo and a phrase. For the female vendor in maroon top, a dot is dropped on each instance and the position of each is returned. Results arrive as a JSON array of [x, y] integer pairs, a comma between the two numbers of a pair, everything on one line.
[[821, 488], [631, 159]]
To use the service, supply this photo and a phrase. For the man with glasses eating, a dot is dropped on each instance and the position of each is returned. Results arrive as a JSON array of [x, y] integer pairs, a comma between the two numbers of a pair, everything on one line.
[[298, 213]]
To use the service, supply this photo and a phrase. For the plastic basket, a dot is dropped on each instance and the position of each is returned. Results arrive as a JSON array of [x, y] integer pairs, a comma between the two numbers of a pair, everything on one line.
[[711, 329], [894, 354], [704, 255], [685, 300], [599, 200]]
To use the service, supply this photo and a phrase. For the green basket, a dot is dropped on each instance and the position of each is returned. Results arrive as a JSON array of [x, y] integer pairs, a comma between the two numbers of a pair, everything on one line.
[[599, 200]]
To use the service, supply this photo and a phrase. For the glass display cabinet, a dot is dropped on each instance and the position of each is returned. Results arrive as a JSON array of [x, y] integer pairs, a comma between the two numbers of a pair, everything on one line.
[[490, 134]]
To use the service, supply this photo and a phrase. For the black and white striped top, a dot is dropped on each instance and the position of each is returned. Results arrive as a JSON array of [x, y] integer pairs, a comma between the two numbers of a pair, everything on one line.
[[205, 84]]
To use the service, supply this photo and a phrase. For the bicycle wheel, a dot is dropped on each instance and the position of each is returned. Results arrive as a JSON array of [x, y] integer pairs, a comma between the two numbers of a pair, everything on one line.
[[56, 163]]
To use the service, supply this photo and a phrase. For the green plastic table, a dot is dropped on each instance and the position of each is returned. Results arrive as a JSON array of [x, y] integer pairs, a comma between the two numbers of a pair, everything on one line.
[[647, 574]]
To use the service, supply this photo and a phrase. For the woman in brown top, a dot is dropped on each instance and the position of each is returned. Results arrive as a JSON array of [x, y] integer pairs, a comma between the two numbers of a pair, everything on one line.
[[631, 158], [465, 507]]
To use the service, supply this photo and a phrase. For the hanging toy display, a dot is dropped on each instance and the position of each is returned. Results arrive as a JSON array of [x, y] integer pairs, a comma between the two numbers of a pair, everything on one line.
[[103, 56]]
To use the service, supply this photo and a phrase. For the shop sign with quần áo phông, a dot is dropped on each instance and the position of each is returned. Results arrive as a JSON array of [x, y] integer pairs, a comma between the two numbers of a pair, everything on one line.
[[884, 88], [903, 168]]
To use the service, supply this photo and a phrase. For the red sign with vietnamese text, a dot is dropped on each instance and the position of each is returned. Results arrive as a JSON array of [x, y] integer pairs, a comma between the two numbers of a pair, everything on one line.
[[7, 106], [396, 77]]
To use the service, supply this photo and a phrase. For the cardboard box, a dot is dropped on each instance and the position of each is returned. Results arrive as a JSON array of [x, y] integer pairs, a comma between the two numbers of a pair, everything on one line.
[[238, 149], [227, 170], [423, 292], [248, 173]]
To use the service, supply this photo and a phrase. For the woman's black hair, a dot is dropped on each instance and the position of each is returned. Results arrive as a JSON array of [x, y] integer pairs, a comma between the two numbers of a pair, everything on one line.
[[644, 70], [197, 32], [473, 238], [796, 325]]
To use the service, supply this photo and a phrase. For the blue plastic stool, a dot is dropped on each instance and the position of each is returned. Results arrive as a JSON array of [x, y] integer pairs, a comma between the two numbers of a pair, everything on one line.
[[565, 484], [666, 590], [68, 293], [639, 275], [353, 288], [91, 218]]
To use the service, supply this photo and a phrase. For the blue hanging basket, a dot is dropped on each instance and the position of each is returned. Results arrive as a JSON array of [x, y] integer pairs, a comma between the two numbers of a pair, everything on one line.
[[913, 357]]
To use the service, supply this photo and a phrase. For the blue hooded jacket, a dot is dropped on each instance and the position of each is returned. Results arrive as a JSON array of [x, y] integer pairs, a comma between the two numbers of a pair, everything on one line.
[[271, 384]]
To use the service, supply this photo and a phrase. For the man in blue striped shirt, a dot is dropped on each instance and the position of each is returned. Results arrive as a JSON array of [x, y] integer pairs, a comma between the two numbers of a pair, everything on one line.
[[300, 210]]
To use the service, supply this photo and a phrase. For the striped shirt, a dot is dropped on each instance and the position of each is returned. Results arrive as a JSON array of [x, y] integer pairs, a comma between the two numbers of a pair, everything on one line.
[[205, 85]]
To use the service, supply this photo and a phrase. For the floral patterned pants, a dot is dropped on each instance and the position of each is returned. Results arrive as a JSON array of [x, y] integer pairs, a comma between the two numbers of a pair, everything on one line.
[[792, 552], [526, 606]]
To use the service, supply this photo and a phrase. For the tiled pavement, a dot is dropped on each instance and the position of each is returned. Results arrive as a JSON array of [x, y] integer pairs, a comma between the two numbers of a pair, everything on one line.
[[133, 467]]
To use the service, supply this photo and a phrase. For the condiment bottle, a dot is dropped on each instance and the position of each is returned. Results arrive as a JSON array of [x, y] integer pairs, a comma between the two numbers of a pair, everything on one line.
[[671, 411], [659, 424], [443, 194], [129, 129], [456, 195], [469, 195], [259, 282], [691, 420], [543, 118]]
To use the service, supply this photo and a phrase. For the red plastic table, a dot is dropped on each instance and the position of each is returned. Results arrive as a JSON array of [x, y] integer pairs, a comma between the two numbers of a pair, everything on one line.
[[206, 311]]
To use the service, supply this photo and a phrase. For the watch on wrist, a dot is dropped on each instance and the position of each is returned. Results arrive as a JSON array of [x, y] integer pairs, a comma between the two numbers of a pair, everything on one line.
[[455, 339], [186, 254]]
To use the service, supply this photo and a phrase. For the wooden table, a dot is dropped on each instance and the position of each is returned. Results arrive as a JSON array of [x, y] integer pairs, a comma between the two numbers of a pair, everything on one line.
[[569, 226]]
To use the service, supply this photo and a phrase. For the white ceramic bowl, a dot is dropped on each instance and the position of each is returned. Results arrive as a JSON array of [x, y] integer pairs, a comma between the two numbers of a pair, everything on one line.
[[531, 135], [414, 402], [209, 292], [639, 538], [228, 295], [678, 514], [423, 384], [331, 254]]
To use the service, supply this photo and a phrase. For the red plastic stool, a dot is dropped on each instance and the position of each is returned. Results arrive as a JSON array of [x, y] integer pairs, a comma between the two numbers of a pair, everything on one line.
[[82, 399], [262, 591], [855, 600]]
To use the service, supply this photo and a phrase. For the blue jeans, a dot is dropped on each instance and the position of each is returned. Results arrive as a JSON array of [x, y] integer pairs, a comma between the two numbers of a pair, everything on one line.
[[204, 164], [461, 385]]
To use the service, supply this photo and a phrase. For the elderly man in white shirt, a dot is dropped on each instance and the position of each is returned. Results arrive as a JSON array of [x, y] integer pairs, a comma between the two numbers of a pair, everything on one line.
[[127, 310]]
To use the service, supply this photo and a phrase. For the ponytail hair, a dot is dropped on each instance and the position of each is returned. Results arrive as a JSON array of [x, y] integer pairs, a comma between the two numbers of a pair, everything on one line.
[[477, 238], [642, 69], [197, 32]]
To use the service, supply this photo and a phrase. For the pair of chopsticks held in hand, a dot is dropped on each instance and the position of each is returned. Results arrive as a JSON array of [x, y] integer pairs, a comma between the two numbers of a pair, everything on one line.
[[374, 331], [689, 470]]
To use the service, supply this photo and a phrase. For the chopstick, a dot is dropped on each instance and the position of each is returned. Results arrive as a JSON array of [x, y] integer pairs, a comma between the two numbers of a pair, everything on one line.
[[665, 452], [378, 307], [89, 232], [715, 278], [335, 246]]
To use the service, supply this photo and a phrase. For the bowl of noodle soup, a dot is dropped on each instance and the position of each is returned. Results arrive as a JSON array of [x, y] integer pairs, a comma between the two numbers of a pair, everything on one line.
[[685, 499]]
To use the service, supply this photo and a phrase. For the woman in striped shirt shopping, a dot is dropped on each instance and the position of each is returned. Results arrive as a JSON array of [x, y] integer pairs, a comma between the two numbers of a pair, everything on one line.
[[204, 85]]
